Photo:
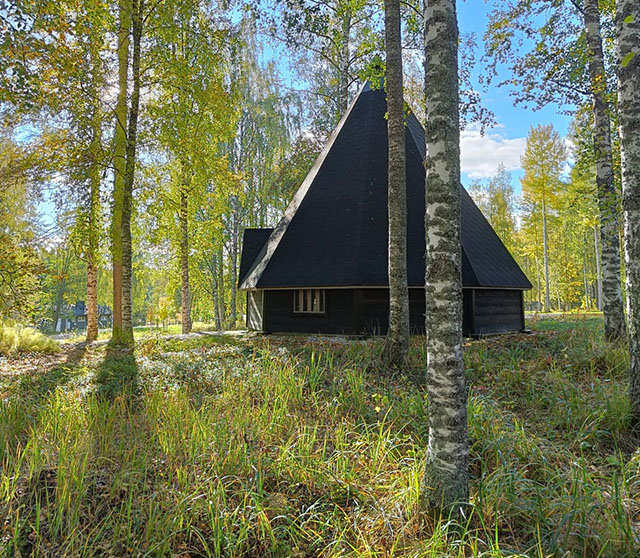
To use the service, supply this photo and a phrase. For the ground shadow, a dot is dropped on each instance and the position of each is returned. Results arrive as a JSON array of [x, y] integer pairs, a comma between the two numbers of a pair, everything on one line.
[[118, 374], [37, 385]]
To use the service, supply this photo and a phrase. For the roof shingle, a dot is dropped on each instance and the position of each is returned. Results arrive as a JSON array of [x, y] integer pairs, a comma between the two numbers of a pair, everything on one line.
[[334, 233]]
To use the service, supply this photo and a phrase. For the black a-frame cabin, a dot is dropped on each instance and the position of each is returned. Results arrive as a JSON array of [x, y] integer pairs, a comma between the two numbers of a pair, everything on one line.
[[323, 269]]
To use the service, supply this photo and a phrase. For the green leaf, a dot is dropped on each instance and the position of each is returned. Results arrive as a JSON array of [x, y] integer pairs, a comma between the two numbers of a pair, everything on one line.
[[627, 59], [629, 19]]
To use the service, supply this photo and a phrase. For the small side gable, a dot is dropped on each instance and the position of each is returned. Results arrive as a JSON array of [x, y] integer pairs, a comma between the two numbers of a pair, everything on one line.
[[252, 242]]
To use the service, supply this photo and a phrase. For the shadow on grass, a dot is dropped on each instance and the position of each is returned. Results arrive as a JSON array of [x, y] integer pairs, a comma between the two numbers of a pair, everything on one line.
[[27, 396], [118, 374], [37, 386]]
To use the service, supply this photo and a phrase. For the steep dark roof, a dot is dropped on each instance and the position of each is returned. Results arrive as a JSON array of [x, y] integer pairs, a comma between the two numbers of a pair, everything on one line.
[[252, 241], [334, 232]]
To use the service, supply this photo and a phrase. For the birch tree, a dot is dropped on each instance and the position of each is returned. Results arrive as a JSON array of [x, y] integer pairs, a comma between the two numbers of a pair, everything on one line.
[[398, 337], [137, 12], [446, 479], [614, 324], [96, 41], [562, 62], [119, 166], [628, 44], [496, 200], [542, 163], [193, 113], [334, 40]]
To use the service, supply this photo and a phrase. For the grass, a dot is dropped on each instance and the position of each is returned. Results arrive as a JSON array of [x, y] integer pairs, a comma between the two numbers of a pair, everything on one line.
[[142, 332], [225, 447], [15, 338]]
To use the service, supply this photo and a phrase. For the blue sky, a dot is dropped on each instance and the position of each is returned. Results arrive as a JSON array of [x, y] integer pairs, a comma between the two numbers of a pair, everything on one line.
[[481, 154], [504, 143]]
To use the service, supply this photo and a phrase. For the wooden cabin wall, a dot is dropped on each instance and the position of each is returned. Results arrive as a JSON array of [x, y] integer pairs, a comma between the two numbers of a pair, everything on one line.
[[365, 311], [339, 317], [255, 310], [494, 311], [375, 311]]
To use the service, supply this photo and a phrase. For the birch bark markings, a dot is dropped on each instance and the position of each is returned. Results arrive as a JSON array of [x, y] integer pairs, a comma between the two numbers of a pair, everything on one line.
[[137, 7], [185, 293], [628, 44], [95, 149], [596, 236], [614, 321], [398, 338], [119, 165], [446, 479], [545, 246]]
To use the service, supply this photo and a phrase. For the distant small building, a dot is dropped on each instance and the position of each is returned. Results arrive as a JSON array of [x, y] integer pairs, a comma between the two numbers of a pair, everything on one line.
[[323, 269], [74, 317]]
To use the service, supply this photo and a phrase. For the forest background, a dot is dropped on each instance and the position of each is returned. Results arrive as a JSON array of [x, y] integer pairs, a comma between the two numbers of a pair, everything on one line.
[[235, 103]]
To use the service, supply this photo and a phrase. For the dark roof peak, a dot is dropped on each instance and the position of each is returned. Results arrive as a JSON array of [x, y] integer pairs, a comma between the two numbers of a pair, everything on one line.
[[334, 231]]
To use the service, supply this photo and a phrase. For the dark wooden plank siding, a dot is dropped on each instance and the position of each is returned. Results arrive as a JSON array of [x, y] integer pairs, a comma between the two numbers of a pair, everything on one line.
[[339, 317], [358, 311], [497, 311], [467, 312], [375, 311]]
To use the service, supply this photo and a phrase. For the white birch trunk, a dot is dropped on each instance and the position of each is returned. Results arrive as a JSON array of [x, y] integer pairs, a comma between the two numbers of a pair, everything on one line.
[[628, 44], [446, 479], [119, 165], [129, 178], [598, 270], [614, 325], [183, 217], [343, 85], [547, 296]]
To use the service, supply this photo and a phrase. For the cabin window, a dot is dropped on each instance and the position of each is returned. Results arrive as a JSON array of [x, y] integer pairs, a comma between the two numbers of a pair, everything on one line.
[[308, 301]]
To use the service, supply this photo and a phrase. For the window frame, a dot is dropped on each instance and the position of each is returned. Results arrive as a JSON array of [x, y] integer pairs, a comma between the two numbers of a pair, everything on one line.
[[304, 302]]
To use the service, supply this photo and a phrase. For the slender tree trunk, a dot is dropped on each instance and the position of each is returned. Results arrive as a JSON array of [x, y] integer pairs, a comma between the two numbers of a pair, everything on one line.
[[614, 324], [119, 166], [343, 86], [587, 302], [59, 302], [397, 344], [547, 297], [214, 289], [185, 294], [62, 287], [596, 236], [539, 286], [132, 136], [95, 148], [235, 231], [446, 479], [220, 270], [628, 44]]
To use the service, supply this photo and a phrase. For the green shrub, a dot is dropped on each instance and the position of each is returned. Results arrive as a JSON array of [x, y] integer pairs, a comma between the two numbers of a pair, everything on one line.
[[15, 338]]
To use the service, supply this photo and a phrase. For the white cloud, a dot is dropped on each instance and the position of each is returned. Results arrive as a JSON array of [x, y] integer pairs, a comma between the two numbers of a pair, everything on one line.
[[481, 155]]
